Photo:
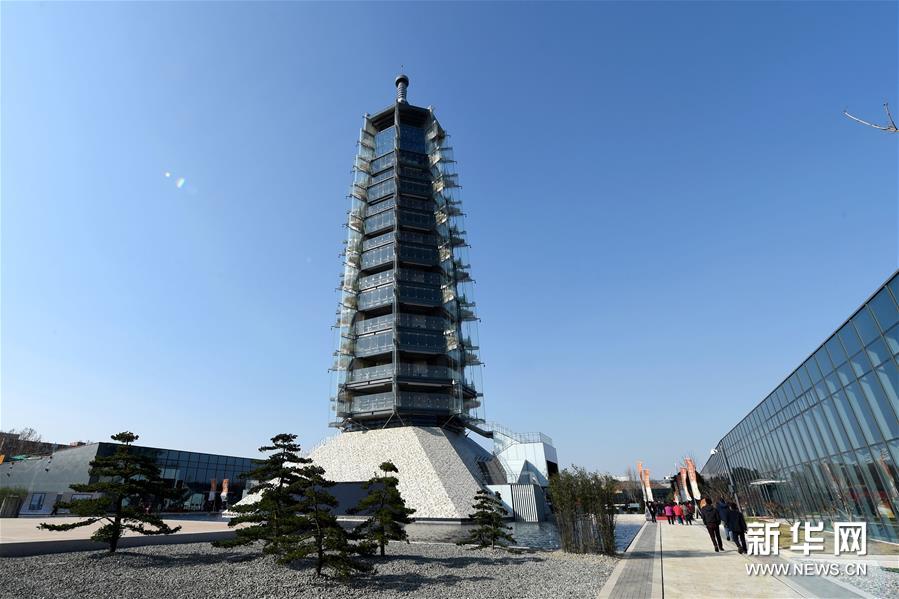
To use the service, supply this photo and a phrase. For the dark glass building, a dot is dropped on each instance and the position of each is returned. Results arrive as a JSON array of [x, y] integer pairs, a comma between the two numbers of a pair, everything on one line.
[[407, 352], [824, 445], [200, 476]]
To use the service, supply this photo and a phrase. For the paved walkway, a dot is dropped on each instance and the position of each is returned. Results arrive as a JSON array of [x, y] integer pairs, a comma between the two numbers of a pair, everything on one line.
[[20, 536], [678, 561]]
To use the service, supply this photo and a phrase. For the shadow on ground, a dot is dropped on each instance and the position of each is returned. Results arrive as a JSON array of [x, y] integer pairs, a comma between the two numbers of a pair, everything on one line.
[[151, 560], [462, 562]]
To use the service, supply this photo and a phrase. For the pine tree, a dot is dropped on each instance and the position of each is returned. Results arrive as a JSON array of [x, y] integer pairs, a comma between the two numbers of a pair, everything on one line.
[[126, 480], [488, 518], [385, 508], [319, 534], [273, 518]]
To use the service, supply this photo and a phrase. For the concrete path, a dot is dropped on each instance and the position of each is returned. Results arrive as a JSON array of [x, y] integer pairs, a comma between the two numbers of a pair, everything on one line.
[[20, 536], [679, 561]]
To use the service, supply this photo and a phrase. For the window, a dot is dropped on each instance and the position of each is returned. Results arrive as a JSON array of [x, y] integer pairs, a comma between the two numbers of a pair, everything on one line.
[[823, 361], [860, 363], [845, 374], [412, 138], [378, 256], [415, 173], [37, 501], [419, 276], [835, 350], [415, 293], [863, 412], [880, 406], [414, 159], [379, 222], [804, 380], [812, 367], [892, 339], [416, 220], [384, 141], [415, 188], [417, 204], [382, 189], [372, 209], [849, 420], [889, 378], [388, 174], [884, 309], [878, 352], [378, 241], [377, 279], [849, 339], [865, 326], [376, 297], [421, 340], [418, 255], [383, 162]]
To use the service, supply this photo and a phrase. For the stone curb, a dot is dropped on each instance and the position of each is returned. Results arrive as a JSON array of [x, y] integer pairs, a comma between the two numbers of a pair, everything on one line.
[[26, 548]]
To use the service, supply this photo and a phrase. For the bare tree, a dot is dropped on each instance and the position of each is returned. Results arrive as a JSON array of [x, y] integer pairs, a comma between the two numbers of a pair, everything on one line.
[[890, 128], [631, 487], [24, 440]]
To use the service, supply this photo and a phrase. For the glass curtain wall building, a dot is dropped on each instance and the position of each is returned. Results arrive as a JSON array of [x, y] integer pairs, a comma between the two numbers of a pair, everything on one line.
[[200, 477], [824, 445], [407, 348]]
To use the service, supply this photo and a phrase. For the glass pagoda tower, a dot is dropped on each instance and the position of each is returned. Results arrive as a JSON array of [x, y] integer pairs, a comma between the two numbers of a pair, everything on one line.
[[407, 348]]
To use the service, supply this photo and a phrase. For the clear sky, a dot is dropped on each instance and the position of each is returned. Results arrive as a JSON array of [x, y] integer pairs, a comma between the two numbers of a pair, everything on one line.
[[666, 208]]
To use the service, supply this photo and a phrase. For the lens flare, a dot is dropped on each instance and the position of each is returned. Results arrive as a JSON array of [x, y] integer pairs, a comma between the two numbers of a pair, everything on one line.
[[179, 183], [168, 175]]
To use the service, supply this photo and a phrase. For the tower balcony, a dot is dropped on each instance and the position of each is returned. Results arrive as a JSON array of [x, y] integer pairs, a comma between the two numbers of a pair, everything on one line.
[[422, 374], [408, 321], [404, 401], [375, 280], [372, 325], [370, 375], [421, 256], [376, 298], [373, 404], [413, 342], [374, 345], [379, 222], [410, 295], [409, 373]]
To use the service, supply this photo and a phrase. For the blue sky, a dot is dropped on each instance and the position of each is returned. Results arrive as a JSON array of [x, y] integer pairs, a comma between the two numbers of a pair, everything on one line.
[[666, 208]]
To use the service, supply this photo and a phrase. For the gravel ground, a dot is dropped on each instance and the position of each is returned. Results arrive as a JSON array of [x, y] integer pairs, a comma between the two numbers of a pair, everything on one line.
[[878, 582], [199, 570]]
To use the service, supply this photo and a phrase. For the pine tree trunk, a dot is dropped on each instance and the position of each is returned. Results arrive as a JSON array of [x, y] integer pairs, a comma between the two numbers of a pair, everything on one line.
[[382, 547], [116, 526]]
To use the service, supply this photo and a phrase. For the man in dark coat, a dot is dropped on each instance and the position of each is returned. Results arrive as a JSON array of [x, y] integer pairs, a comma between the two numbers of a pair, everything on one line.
[[721, 506], [737, 525], [711, 519]]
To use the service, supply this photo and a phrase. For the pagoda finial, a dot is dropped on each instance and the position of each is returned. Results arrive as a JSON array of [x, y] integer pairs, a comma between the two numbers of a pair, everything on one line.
[[402, 82]]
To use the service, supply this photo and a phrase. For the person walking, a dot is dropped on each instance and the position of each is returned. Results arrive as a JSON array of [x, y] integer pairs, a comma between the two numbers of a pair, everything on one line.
[[669, 513], [737, 525], [679, 512], [722, 508], [651, 508], [688, 513], [711, 519]]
